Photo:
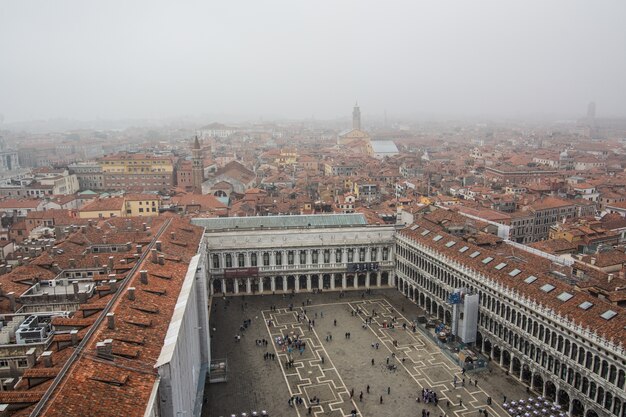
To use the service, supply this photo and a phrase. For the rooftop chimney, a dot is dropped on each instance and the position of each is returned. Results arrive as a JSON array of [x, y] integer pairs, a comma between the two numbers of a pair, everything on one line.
[[111, 321], [144, 226], [110, 263], [11, 297], [113, 282], [173, 235], [131, 293], [139, 248], [104, 349], [83, 229], [31, 357], [158, 245], [75, 288], [96, 261], [74, 335], [154, 254], [72, 263], [143, 276], [593, 261], [89, 223], [161, 259], [47, 358]]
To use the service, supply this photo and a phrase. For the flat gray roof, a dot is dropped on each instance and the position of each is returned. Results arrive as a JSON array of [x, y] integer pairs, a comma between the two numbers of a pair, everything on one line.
[[272, 222]]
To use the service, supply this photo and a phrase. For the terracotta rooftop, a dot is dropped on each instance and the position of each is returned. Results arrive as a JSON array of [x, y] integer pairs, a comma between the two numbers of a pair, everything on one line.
[[528, 281]]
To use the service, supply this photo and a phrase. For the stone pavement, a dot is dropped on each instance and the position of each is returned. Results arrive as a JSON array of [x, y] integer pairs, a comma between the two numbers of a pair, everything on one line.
[[256, 384]]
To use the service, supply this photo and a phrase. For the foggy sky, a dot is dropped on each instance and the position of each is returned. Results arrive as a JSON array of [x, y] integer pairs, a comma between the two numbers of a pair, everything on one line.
[[298, 59]]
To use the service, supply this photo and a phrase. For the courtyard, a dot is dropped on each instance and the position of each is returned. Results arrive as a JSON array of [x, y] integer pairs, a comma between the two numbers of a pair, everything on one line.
[[396, 363]]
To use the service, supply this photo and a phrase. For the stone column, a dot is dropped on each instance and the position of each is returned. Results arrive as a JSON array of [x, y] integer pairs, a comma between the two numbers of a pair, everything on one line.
[[236, 285], [320, 282], [285, 283], [296, 283], [367, 280], [344, 281], [344, 255], [248, 286], [378, 279], [260, 284], [368, 254], [332, 281], [272, 258], [246, 259], [308, 282], [511, 365], [308, 257], [571, 405], [392, 279], [273, 284], [356, 281], [223, 286]]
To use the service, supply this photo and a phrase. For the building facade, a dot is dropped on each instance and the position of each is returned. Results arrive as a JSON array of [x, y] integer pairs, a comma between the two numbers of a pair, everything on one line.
[[561, 343], [297, 253]]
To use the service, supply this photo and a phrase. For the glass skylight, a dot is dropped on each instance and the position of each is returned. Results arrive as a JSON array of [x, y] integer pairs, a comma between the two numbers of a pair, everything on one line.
[[450, 244], [437, 238], [515, 272], [474, 254], [547, 287], [500, 265], [564, 296], [463, 249], [608, 315], [530, 279], [487, 260]]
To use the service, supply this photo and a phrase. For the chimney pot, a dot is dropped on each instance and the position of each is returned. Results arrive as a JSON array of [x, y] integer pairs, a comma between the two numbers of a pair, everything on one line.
[[47, 358], [72, 263], [110, 263], [154, 254], [31, 357], [144, 226], [131, 293], [173, 235], [11, 297], [74, 334], [111, 321], [161, 259], [139, 248], [159, 245], [143, 276]]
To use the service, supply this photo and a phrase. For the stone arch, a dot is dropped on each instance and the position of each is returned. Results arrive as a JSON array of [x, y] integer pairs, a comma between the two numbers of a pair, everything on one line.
[[291, 282], [384, 278], [517, 366], [361, 278], [578, 409], [563, 399], [550, 390], [448, 317], [302, 282], [496, 353], [422, 301], [315, 281], [267, 283], [479, 338], [338, 278], [537, 383], [216, 285], [326, 281], [592, 413], [488, 347], [526, 374], [506, 359], [350, 280], [440, 313]]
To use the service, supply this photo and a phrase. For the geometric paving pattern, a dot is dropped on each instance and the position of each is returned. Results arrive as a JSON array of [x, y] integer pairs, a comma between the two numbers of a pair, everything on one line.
[[412, 353]]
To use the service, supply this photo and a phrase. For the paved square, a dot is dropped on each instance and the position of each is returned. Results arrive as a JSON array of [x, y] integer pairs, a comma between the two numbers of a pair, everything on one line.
[[336, 367]]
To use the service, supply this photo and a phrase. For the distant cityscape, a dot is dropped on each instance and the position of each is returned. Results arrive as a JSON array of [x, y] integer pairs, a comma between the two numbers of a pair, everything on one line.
[[501, 244]]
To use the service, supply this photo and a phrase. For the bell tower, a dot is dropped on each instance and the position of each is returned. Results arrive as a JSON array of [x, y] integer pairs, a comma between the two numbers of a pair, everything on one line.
[[356, 117], [197, 167]]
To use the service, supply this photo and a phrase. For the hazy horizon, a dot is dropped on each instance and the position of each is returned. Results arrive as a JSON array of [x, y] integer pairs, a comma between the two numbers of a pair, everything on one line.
[[250, 60]]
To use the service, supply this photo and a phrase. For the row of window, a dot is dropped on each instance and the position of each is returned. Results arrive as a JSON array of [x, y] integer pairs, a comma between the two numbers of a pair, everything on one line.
[[301, 256]]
